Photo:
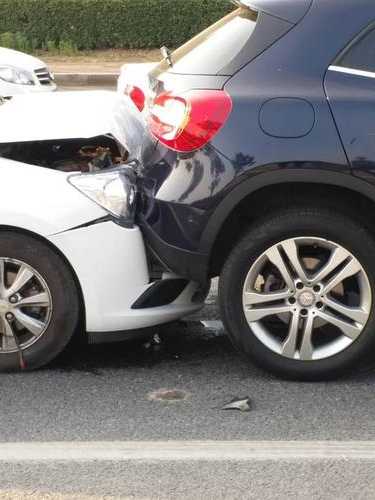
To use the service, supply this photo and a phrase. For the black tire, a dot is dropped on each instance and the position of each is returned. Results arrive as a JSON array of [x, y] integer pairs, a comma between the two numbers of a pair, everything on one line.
[[65, 299], [275, 228]]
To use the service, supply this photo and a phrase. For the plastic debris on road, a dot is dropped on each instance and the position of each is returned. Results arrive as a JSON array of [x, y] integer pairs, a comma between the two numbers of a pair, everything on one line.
[[238, 404]]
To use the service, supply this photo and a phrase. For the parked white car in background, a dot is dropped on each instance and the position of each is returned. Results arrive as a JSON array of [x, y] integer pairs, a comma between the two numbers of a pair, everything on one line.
[[21, 73], [70, 251]]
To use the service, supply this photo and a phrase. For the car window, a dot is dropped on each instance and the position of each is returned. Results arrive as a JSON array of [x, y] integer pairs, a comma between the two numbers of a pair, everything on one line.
[[218, 44], [360, 54], [227, 45]]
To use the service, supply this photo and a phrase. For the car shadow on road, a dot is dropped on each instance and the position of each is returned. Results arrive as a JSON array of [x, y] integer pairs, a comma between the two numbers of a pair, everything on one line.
[[192, 343], [184, 341]]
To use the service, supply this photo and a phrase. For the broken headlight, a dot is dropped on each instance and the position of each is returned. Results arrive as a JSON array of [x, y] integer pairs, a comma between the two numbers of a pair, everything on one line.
[[115, 191]]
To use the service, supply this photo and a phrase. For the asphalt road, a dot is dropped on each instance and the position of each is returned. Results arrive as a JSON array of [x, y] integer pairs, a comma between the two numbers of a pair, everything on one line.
[[170, 480], [102, 393]]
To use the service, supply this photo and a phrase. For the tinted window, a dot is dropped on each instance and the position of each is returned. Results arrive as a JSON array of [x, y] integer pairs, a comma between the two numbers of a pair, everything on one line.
[[227, 45], [360, 54]]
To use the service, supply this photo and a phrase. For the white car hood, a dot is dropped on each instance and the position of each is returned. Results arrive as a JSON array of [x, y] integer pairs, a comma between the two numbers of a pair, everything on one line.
[[20, 60], [71, 115]]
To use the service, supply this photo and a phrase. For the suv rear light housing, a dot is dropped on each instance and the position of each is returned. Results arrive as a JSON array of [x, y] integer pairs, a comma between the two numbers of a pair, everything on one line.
[[137, 95], [188, 121]]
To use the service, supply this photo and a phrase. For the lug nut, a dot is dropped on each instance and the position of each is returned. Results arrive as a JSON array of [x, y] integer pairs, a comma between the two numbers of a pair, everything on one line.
[[9, 316], [292, 300], [13, 299], [316, 288], [319, 305], [299, 285], [304, 312]]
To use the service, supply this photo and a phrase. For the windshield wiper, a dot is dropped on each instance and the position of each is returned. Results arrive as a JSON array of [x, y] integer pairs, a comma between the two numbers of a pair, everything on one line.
[[167, 55]]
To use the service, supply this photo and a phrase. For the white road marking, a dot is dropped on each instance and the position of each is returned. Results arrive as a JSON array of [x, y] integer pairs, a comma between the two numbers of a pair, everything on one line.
[[186, 451]]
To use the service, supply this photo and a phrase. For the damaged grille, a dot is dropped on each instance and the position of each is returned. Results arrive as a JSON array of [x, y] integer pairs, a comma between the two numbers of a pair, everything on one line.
[[44, 76]]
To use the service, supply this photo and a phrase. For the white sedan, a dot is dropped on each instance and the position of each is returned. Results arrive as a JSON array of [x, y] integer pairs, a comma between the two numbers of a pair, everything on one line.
[[70, 252], [21, 74]]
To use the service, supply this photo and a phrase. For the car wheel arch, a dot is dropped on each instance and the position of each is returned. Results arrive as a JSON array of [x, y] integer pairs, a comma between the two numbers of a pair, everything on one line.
[[230, 210], [54, 248]]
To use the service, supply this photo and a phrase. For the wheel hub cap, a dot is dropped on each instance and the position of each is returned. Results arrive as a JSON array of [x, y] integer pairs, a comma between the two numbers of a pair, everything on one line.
[[306, 299], [25, 305], [318, 303]]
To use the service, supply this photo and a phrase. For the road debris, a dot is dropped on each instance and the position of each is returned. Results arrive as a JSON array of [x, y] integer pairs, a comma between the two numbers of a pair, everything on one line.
[[154, 343], [239, 404], [169, 395]]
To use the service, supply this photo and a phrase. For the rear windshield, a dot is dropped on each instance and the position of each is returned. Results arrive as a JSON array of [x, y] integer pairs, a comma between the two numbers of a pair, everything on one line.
[[226, 46]]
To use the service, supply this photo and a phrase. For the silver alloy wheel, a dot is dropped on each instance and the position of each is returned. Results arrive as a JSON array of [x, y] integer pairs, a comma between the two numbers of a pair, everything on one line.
[[307, 298], [25, 305]]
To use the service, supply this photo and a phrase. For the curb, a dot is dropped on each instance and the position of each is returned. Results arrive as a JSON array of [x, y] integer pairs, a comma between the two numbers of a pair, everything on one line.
[[77, 79]]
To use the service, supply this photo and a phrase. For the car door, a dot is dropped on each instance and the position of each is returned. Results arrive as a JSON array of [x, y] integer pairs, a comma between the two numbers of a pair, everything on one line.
[[350, 89]]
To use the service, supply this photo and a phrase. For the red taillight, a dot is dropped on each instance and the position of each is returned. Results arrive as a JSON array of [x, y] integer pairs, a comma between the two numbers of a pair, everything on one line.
[[137, 96], [188, 121]]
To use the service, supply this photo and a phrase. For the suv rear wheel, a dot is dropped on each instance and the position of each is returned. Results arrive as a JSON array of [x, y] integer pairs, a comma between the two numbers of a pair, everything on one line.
[[297, 293]]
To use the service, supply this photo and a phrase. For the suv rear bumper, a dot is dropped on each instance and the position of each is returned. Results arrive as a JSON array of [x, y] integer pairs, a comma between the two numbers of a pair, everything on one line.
[[185, 263]]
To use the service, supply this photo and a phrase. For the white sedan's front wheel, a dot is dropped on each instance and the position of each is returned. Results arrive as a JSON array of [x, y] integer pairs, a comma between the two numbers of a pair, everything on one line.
[[39, 304]]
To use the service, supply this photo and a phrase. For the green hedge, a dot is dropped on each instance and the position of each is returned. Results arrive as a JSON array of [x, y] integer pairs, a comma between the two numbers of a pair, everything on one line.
[[100, 24]]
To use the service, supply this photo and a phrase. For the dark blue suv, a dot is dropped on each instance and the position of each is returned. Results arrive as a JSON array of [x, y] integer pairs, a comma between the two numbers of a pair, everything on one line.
[[258, 166]]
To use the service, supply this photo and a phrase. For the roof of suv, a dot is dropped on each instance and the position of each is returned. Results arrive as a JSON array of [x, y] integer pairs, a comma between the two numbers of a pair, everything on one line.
[[294, 10], [289, 10]]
